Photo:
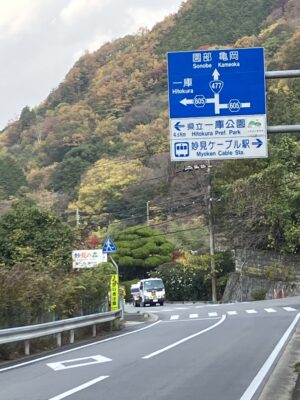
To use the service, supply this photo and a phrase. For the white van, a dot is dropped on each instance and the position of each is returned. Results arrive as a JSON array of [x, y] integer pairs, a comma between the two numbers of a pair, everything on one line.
[[151, 291]]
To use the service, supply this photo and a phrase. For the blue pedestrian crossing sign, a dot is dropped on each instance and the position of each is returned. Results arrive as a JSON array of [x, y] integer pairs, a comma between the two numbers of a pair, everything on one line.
[[109, 246], [217, 104]]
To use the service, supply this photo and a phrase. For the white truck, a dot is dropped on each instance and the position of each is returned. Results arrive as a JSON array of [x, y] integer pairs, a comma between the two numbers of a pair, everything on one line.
[[151, 291], [135, 293]]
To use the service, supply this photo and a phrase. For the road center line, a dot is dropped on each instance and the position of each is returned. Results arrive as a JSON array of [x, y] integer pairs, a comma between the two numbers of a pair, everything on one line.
[[190, 320], [254, 385], [184, 339], [78, 388]]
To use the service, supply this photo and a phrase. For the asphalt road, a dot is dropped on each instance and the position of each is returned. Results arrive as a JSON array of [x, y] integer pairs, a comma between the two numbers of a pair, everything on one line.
[[192, 351]]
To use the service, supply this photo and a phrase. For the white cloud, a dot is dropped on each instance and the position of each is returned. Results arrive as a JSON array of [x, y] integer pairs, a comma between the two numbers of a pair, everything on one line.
[[41, 39], [76, 9], [16, 15], [147, 16], [91, 46]]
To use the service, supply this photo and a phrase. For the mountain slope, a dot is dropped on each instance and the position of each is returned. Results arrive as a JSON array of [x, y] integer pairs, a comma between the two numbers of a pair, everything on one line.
[[111, 111]]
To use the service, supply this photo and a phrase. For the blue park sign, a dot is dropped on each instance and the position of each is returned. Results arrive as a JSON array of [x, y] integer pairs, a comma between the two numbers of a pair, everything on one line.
[[217, 103]]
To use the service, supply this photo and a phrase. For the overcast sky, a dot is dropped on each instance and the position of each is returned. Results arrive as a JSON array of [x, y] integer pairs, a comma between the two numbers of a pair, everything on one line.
[[40, 40]]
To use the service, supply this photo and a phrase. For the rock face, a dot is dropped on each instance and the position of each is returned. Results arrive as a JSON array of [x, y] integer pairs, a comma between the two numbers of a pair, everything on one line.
[[267, 272], [243, 288]]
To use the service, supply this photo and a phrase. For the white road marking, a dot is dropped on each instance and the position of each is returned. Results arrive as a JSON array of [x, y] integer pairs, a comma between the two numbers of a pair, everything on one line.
[[79, 347], [57, 366], [289, 309], [79, 388], [270, 310], [232, 312], [174, 317], [199, 306], [181, 308], [193, 315], [155, 353], [254, 385], [251, 311], [190, 320], [212, 314]]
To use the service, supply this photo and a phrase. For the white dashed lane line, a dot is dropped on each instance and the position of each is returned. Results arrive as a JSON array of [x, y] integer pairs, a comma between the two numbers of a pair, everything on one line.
[[232, 312], [289, 309], [212, 314]]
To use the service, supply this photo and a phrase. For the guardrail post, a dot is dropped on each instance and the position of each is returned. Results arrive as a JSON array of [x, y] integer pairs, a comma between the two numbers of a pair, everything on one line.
[[58, 339], [72, 336], [27, 348], [94, 330]]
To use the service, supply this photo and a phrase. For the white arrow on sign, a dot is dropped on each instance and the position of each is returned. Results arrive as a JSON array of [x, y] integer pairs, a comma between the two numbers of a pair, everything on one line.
[[58, 366], [186, 101], [216, 74]]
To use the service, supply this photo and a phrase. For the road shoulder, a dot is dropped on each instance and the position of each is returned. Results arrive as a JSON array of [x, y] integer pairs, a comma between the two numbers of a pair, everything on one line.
[[282, 381]]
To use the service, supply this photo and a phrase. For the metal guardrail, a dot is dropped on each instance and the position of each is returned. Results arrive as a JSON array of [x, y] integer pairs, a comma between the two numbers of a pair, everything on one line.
[[25, 333]]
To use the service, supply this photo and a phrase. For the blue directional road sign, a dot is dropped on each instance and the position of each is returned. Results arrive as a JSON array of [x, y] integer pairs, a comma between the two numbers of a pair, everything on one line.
[[217, 102], [109, 246]]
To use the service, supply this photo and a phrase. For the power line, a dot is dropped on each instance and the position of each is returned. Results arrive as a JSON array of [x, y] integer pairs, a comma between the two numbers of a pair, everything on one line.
[[157, 208], [165, 209], [180, 230]]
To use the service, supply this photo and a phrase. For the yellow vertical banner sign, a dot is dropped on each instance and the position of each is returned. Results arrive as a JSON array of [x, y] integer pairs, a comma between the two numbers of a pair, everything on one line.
[[114, 292]]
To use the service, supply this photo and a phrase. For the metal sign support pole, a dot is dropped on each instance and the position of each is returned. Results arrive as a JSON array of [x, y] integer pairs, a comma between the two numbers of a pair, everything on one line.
[[211, 236], [117, 272]]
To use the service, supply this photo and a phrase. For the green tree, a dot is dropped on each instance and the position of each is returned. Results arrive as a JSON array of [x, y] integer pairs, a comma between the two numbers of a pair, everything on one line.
[[264, 207], [66, 177], [140, 250], [11, 176], [83, 292], [26, 296], [104, 185], [194, 25], [37, 236], [27, 118], [189, 277]]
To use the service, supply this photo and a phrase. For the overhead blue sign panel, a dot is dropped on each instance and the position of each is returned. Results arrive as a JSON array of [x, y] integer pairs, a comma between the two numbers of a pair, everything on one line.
[[217, 102]]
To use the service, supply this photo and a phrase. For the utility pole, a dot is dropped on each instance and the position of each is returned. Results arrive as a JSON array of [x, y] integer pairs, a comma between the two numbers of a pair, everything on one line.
[[148, 213], [77, 217], [211, 235], [210, 224]]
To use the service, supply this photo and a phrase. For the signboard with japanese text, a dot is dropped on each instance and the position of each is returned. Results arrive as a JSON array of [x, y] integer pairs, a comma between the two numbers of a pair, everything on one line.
[[217, 101], [88, 258], [114, 292]]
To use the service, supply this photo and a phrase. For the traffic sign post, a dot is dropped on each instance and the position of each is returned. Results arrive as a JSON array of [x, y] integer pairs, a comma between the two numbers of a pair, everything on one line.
[[217, 102], [109, 246]]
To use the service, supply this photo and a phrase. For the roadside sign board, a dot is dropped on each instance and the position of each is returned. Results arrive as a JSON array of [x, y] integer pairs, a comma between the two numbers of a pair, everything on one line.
[[88, 258], [109, 246], [114, 292], [217, 104]]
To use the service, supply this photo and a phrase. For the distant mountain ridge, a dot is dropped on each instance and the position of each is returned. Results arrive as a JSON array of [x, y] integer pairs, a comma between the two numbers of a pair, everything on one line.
[[111, 110]]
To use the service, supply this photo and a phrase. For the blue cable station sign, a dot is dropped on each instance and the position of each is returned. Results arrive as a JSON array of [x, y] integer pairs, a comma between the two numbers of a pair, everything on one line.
[[217, 104]]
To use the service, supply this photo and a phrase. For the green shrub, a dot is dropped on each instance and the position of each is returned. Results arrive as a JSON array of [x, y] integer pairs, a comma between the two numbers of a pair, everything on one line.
[[259, 294]]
